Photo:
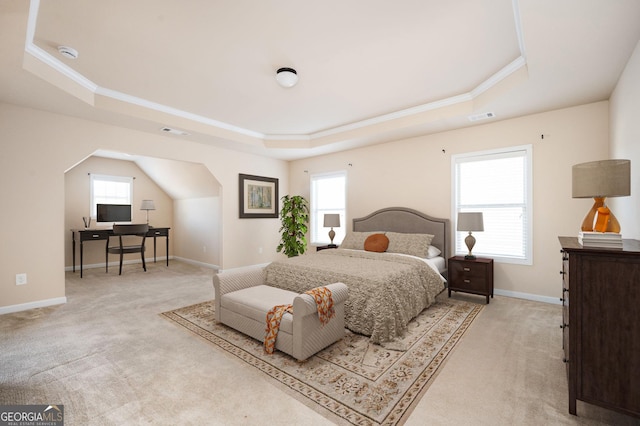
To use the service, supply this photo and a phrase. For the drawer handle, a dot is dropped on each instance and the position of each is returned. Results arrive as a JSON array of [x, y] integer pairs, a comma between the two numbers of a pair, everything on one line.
[[466, 269], [562, 272], [157, 232], [96, 236], [466, 281]]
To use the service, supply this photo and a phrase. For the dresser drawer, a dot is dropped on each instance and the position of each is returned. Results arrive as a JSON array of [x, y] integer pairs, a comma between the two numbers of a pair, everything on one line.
[[469, 277], [468, 270], [477, 284]]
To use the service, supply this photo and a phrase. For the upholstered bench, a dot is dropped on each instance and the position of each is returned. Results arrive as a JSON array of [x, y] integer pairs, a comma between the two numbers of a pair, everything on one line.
[[242, 302]]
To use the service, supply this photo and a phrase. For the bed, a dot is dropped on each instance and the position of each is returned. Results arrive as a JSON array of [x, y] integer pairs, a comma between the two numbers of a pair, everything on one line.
[[386, 289]]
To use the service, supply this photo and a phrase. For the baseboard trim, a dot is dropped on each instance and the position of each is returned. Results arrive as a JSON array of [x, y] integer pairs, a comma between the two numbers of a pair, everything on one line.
[[197, 263], [527, 296], [117, 263], [239, 268], [32, 305], [159, 259]]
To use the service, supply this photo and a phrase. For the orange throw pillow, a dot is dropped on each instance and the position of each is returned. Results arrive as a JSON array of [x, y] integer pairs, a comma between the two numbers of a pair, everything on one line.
[[377, 243]]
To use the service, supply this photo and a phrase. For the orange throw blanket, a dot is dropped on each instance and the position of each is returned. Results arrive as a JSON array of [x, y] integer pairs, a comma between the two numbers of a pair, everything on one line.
[[326, 311]]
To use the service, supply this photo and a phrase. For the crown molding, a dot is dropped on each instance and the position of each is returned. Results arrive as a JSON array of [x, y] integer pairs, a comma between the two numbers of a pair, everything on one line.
[[267, 139]]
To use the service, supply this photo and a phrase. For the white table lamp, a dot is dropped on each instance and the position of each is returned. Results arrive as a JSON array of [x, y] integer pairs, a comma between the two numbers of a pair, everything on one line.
[[332, 220], [147, 205], [470, 221]]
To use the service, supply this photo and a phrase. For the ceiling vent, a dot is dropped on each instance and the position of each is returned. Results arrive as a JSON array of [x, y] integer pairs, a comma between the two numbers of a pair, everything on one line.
[[174, 131], [482, 116]]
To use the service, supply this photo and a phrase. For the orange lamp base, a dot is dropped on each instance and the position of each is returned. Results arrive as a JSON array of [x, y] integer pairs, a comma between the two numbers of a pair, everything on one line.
[[600, 218]]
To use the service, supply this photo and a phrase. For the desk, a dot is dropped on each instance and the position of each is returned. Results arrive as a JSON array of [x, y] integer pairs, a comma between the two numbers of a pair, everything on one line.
[[104, 234]]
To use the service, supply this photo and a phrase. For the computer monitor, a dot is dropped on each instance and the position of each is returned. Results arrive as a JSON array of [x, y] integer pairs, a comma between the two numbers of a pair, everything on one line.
[[113, 212]]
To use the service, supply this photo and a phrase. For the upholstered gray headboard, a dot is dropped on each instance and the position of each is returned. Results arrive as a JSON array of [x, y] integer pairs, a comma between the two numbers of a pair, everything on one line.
[[402, 219]]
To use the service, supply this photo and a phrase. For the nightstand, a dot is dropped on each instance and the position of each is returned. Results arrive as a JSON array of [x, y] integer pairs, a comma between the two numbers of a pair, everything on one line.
[[471, 276], [328, 246]]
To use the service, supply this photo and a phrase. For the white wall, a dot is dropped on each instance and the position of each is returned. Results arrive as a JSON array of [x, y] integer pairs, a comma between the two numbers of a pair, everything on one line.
[[197, 230], [625, 142], [416, 173], [38, 147]]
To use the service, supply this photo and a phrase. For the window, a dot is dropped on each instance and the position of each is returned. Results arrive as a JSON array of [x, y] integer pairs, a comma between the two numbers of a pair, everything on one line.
[[498, 184], [328, 195], [110, 190]]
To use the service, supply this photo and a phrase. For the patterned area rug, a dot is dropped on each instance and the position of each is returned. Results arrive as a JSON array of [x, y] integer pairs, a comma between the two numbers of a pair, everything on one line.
[[359, 382]]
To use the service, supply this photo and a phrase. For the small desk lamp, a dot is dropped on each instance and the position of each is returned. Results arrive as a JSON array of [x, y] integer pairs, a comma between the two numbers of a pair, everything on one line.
[[147, 205], [601, 179], [332, 220], [470, 221]]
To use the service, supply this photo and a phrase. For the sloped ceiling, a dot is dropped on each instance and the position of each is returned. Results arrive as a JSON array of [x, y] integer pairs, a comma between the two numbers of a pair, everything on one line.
[[179, 179]]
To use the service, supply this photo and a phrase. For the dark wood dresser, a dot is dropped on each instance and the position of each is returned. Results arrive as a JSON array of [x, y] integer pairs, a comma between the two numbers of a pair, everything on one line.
[[601, 324]]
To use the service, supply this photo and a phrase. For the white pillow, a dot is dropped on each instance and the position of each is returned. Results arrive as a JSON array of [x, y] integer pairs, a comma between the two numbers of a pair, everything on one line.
[[433, 252]]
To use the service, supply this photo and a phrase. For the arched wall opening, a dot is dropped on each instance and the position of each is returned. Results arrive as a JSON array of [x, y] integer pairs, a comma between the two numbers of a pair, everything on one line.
[[186, 197]]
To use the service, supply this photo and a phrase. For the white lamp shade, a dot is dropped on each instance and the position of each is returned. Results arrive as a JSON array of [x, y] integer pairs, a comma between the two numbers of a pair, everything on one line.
[[470, 221], [331, 220], [147, 205], [606, 178]]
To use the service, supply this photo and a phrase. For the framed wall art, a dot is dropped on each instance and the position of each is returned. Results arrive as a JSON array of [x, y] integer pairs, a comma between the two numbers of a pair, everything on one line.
[[258, 197]]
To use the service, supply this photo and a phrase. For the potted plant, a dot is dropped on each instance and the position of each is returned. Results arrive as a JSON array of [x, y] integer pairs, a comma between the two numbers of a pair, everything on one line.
[[294, 217]]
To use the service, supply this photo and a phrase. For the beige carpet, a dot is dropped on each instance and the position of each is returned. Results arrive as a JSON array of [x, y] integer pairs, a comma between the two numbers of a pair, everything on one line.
[[352, 380], [111, 359]]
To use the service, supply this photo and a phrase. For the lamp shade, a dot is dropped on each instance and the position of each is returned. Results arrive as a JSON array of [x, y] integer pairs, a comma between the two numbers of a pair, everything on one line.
[[331, 220], [147, 205], [606, 178], [470, 221]]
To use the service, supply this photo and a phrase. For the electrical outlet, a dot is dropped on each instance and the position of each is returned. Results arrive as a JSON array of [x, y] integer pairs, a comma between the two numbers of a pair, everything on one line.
[[21, 279]]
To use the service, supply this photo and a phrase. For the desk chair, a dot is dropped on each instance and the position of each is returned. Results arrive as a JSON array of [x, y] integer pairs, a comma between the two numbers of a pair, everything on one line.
[[139, 231]]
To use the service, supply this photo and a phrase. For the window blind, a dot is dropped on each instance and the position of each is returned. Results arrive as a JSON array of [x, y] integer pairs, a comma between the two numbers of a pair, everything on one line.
[[328, 195], [498, 184]]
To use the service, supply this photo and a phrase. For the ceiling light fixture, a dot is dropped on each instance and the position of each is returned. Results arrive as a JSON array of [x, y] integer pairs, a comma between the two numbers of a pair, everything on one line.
[[68, 52], [287, 77]]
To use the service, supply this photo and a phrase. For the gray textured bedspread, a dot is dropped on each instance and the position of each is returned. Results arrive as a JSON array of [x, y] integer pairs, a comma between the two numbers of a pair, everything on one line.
[[386, 290]]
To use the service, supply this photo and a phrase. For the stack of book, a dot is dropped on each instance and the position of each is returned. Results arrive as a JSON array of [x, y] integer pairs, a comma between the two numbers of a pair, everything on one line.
[[600, 239]]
